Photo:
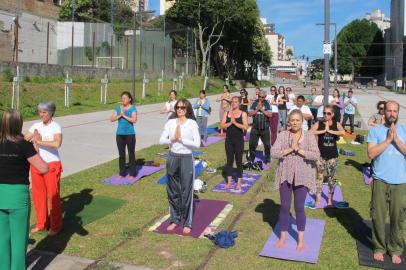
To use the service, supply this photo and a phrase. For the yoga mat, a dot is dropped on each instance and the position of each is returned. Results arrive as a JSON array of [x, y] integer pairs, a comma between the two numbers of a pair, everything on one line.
[[195, 154], [205, 213], [337, 197], [313, 237], [363, 234], [248, 181], [259, 156], [142, 171], [213, 139], [212, 130], [83, 208], [198, 171], [367, 173]]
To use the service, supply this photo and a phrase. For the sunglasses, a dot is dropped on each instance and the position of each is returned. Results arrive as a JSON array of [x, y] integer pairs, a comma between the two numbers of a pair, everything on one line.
[[261, 97], [327, 113], [180, 108]]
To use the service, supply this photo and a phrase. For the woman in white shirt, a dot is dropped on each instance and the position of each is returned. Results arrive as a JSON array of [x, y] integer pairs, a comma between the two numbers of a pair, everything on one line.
[[182, 135], [274, 120], [169, 106]]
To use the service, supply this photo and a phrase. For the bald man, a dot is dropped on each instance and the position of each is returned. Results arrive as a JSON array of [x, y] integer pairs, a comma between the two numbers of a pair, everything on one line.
[[387, 149]]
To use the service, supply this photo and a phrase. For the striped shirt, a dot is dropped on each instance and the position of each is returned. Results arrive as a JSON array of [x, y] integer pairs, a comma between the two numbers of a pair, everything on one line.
[[260, 121]]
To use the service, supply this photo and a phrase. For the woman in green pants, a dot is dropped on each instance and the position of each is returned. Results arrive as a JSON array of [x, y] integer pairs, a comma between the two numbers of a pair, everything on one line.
[[16, 155]]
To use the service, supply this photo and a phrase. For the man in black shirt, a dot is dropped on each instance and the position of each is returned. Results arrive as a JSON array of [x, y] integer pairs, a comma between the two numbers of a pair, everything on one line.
[[260, 111]]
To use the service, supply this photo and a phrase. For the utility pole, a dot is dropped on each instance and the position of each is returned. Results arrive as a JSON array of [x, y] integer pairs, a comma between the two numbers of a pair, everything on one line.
[[16, 28], [73, 30], [134, 35], [326, 50], [187, 51], [335, 52], [112, 34]]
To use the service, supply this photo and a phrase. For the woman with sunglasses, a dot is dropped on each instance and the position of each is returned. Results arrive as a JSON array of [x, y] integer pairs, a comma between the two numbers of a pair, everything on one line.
[[328, 132], [296, 150], [282, 99], [245, 101], [378, 119], [182, 135], [235, 122], [274, 120]]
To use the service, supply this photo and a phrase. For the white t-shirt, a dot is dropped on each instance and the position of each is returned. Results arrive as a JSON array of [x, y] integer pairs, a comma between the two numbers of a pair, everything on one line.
[[190, 136], [291, 101], [274, 108], [47, 132], [170, 105], [305, 110], [350, 109], [320, 99]]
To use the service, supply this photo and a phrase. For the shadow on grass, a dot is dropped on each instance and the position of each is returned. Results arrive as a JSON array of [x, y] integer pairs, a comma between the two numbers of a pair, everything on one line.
[[357, 165], [48, 248], [270, 212]]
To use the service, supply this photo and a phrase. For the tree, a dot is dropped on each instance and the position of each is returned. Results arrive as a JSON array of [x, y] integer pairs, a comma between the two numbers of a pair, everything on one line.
[[360, 49], [289, 53]]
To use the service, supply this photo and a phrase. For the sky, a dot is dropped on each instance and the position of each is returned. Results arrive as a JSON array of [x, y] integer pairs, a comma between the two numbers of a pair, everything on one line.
[[296, 19]]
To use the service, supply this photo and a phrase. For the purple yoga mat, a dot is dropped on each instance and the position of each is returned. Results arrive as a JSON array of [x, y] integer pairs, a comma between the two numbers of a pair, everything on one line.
[[213, 139], [366, 171], [205, 212], [141, 172], [248, 181], [313, 237], [337, 197]]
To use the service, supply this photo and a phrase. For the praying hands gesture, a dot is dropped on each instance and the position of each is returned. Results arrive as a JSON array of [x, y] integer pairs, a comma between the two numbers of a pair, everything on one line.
[[178, 134]]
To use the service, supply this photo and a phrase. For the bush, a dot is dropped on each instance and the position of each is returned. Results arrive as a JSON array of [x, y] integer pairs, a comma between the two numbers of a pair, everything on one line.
[[8, 75]]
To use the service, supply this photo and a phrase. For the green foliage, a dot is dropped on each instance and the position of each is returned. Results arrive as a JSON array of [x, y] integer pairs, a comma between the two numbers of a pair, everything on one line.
[[7, 75], [360, 49]]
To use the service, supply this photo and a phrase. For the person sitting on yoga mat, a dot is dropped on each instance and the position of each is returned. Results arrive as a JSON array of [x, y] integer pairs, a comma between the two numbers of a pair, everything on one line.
[[296, 150], [182, 135], [387, 149], [16, 155], [235, 123], [169, 106], [378, 119], [328, 133], [126, 115], [47, 137], [202, 112]]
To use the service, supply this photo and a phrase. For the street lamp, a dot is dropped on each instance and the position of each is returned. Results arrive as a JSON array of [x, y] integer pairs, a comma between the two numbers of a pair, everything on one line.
[[335, 52]]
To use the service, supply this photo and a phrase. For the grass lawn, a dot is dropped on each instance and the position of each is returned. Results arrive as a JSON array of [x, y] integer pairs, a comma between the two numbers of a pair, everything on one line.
[[123, 236], [85, 94]]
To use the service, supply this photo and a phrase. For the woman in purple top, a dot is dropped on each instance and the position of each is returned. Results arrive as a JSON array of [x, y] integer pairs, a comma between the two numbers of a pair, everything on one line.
[[297, 152]]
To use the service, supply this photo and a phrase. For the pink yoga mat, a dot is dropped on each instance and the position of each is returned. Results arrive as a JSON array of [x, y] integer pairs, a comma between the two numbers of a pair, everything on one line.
[[205, 212], [126, 181], [337, 198], [313, 237], [247, 182], [366, 171], [213, 139]]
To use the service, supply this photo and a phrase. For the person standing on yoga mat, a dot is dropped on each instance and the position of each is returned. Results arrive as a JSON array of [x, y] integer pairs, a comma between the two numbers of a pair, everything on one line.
[[387, 149], [182, 135], [297, 151], [16, 155], [225, 101], [282, 99], [202, 112], [274, 119], [169, 106], [235, 123], [47, 137], [126, 115], [328, 133]]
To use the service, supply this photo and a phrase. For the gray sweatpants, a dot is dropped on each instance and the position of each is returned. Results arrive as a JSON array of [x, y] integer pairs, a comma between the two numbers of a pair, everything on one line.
[[202, 123], [180, 173]]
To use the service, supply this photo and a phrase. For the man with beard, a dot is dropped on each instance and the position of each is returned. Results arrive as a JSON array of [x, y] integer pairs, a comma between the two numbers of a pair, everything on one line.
[[387, 149]]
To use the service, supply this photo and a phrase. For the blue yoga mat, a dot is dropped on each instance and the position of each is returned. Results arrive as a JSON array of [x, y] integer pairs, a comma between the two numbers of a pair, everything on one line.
[[198, 171], [212, 130]]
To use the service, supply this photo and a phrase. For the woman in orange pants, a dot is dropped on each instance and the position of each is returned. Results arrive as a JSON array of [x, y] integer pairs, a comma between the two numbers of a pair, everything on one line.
[[47, 137]]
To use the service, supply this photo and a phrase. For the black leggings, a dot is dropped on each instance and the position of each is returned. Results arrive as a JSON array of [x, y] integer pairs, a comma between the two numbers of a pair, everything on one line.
[[234, 150], [122, 142]]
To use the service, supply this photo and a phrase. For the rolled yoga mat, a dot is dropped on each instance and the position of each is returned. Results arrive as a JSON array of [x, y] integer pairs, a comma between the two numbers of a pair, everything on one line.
[[142, 171], [337, 198], [313, 236], [247, 182], [212, 140], [198, 171], [363, 234], [367, 173], [205, 212]]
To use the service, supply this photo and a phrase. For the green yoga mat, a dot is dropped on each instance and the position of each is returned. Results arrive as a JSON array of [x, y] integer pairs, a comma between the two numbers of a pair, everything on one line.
[[82, 210]]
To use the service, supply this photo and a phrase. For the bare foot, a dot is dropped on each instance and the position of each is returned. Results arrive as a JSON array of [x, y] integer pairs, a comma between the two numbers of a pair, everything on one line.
[[35, 230], [318, 199], [186, 230], [301, 243], [330, 200], [281, 242], [300, 247], [229, 183], [379, 257], [172, 227], [396, 259]]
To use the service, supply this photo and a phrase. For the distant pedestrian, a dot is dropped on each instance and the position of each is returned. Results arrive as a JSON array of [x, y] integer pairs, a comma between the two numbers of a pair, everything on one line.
[[168, 107], [126, 115], [16, 156], [202, 113], [225, 104], [350, 106], [378, 119]]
